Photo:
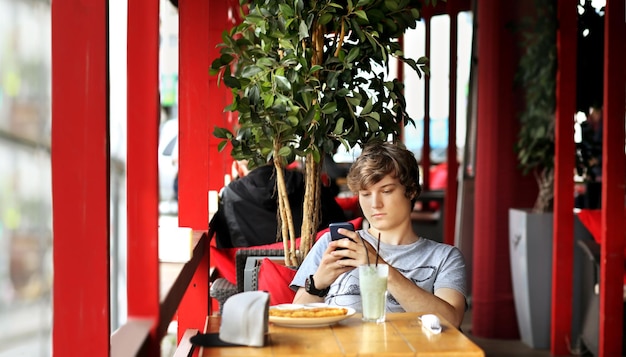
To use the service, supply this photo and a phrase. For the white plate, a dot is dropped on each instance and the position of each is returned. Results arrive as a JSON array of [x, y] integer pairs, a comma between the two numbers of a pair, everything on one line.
[[307, 321]]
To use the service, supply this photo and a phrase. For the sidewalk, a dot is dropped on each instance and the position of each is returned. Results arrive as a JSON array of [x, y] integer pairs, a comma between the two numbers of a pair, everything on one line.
[[26, 329]]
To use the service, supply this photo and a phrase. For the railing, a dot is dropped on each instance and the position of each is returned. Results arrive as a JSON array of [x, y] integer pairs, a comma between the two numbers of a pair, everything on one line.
[[140, 335]]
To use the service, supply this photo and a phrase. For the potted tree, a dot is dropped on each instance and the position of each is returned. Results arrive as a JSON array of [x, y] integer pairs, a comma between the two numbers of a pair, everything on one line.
[[530, 230], [306, 77]]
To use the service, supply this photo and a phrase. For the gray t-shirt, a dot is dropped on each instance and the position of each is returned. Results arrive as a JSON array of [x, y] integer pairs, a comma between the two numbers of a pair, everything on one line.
[[429, 264]]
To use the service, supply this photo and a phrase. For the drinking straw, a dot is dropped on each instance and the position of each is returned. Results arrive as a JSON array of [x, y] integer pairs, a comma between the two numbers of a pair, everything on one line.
[[377, 249], [364, 246]]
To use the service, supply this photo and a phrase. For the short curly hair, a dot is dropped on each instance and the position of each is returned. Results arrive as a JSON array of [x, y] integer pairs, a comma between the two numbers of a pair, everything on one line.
[[379, 159]]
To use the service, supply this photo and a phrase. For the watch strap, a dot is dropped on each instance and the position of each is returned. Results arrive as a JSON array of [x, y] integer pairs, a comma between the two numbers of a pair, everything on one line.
[[311, 289]]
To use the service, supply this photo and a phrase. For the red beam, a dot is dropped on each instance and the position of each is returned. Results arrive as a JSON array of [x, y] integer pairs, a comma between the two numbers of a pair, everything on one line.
[[451, 180], [563, 227], [80, 179], [425, 161], [142, 171], [613, 173], [201, 107]]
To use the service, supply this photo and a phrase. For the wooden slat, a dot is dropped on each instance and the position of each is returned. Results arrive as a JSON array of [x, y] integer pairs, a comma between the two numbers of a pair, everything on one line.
[[185, 347], [175, 293], [128, 340]]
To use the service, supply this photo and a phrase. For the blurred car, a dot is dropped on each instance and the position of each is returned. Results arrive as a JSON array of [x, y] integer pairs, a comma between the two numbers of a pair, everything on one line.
[[168, 163]]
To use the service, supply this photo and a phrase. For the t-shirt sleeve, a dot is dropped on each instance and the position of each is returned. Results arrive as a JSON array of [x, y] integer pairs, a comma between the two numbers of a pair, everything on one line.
[[452, 272], [311, 262]]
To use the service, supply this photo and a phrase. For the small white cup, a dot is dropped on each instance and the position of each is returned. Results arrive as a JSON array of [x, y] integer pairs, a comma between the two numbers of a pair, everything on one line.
[[373, 285]]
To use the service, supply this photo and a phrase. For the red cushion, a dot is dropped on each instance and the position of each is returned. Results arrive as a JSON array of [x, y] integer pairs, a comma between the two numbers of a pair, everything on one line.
[[592, 219], [348, 203], [275, 278], [223, 259]]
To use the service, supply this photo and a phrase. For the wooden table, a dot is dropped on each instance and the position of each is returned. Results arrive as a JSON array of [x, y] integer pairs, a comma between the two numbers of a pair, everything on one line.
[[401, 335]]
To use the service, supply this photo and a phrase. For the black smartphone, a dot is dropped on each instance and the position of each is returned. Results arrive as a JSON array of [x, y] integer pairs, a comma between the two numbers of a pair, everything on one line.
[[334, 235]]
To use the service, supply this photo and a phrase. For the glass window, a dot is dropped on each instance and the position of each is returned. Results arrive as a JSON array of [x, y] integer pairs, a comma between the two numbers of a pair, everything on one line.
[[25, 179]]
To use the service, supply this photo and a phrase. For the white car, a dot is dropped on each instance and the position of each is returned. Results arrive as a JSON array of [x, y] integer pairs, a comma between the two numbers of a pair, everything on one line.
[[168, 166]]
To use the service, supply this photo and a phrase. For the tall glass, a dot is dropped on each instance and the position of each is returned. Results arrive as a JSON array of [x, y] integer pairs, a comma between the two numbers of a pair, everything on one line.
[[373, 285]]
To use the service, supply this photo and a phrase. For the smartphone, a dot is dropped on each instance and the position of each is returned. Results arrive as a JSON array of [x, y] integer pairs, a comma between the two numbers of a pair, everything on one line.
[[334, 235]]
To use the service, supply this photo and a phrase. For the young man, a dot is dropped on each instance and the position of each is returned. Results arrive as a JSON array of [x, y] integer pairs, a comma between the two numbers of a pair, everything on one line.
[[424, 276]]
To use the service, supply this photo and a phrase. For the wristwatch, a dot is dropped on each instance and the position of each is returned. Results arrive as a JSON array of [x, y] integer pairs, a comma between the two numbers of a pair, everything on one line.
[[309, 287]]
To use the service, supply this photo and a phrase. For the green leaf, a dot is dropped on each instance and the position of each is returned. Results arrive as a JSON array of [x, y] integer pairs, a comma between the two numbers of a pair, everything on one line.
[[375, 116], [372, 124], [325, 18], [329, 108], [282, 83], [390, 24], [251, 71], [368, 107], [226, 58], [303, 31], [353, 54], [354, 102], [232, 82], [306, 99], [316, 154], [350, 6], [392, 5], [286, 10], [222, 133], [338, 127], [268, 99], [221, 145], [284, 151], [216, 64], [293, 120], [357, 29], [362, 15], [265, 62]]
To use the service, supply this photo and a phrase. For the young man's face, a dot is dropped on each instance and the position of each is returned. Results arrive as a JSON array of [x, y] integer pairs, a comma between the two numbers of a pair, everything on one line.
[[384, 204]]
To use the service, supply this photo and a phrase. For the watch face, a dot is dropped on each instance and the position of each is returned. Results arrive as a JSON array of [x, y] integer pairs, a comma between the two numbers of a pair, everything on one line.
[[307, 285]]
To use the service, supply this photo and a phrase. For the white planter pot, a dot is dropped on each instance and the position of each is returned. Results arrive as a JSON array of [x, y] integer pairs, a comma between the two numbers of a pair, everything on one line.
[[530, 248]]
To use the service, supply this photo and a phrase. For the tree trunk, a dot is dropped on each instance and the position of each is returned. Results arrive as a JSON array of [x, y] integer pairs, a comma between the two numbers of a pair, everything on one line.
[[286, 217], [545, 197], [311, 207]]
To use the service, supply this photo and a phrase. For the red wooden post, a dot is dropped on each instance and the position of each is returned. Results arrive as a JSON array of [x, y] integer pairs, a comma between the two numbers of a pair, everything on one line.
[[451, 156], [425, 161], [613, 173], [193, 173], [142, 172], [499, 185], [80, 179], [201, 107], [563, 227]]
